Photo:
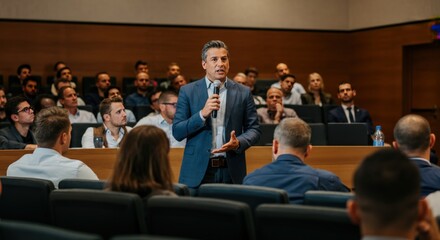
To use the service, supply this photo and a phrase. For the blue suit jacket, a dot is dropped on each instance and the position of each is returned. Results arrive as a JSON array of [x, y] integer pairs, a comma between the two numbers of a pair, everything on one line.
[[429, 176], [361, 115], [240, 116]]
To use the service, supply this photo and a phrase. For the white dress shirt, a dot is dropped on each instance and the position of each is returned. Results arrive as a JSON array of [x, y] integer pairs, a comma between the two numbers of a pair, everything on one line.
[[159, 121], [87, 138]]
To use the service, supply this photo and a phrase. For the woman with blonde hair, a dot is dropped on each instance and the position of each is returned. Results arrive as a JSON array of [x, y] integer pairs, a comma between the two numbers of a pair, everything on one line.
[[142, 164], [315, 94]]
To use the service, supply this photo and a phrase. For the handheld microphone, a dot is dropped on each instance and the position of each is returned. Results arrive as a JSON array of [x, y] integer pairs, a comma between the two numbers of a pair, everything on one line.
[[217, 84]]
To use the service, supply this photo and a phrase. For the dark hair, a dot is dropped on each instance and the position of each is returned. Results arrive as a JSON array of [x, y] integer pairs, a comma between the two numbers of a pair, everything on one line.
[[37, 102], [49, 124], [165, 96], [139, 62], [251, 70], [155, 91], [142, 163], [23, 66], [213, 44], [62, 69], [97, 75], [59, 80], [27, 79], [55, 66], [106, 105], [11, 106], [287, 76], [111, 87], [345, 82], [387, 188], [61, 91]]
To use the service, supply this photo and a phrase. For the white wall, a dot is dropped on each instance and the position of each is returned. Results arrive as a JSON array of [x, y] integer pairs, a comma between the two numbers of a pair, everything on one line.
[[278, 14]]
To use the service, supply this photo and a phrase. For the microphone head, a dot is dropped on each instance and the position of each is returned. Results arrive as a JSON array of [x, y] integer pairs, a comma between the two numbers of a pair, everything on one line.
[[217, 83]]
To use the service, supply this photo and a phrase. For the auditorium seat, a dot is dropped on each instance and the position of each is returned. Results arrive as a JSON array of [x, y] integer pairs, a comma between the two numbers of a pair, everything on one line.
[[308, 113], [276, 221], [327, 198], [266, 136], [319, 134], [15, 88], [128, 86], [71, 183], [99, 212], [89, 82], [78, 130], [199, 218], [262, 85], [5, 124], [25, 199], [325, 110], [88, 108], [142, 111], [347, 134]]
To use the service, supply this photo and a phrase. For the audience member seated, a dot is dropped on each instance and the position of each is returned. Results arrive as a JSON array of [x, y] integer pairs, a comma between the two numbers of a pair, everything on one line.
[[173, 70], [154, 102], [413, 137], [281, 70], [241, 78], [18, 135], [29, 89], [316, 94], [64, 82], [96, 94], [113, 129], [275, 110], [44, 101], [66, 73], [144, 86], [387, 203], [23, 71], [142, 164], [112, 92], [3, 101], [141, 66], [348, 112], [291, 146], [52, 131], [290, 97], [177, 81], [69, 100], [164, 120], [251, 78]]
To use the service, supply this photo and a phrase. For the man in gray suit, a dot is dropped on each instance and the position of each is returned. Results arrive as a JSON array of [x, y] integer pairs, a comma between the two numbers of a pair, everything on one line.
[[218, 126]]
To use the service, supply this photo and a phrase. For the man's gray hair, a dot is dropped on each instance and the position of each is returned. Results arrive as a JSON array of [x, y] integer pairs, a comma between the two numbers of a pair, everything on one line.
[[412, 133], [294, 133], [213, 44]]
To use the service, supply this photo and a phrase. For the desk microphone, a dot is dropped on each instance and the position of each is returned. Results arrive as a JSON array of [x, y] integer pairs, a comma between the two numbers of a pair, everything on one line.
[[217, 84]]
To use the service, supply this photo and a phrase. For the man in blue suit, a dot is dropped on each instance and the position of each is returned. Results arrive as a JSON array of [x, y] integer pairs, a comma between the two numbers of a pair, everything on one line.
[[348, 112], [215, 147], [413, 137]]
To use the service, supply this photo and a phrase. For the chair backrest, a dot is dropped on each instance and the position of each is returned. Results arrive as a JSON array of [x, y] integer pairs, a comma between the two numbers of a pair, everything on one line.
[[78, 130], [308, 113], [262, 85], [251, 195], [128, 85], [100, 212], [276, 221], [347, 134], [266, 136], [181, 189], [81, 184], [88, 108], [327, 198], [199, 218], [319, 134], [25, 199], [32, 231], [88, 82], [5, 124], [142, 111], [325, 110], [15, 88]]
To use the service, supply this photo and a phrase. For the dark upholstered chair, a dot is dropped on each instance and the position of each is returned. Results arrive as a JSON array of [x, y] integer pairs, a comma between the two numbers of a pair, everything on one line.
[[347, 134], [146, 237], [251, 195], [327, 198], [98, 212], [78, 130], [181, 189], [199, 218], [33, 231], [81, 184], [266, 136], [277, 221], [308, 113], [319, 134], [25, 199]]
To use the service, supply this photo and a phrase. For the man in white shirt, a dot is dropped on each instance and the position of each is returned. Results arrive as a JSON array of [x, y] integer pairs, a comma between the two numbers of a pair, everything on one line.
[[289, 97], [113, 129], [53, 133], [164, 120], [69, 100], [281, 70]]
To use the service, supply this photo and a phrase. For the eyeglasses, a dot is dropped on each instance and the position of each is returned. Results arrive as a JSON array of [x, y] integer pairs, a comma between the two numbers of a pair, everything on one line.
[[172, 104], [26, 110]]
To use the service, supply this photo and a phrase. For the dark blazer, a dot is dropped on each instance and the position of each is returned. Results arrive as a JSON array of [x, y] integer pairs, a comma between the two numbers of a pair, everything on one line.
[[11, 139], [309, 98], [240, 115], [361, 115], [429, 176]]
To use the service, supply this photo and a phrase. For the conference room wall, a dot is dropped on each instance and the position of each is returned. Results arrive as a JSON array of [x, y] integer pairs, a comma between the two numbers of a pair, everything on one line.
[[371, 58]]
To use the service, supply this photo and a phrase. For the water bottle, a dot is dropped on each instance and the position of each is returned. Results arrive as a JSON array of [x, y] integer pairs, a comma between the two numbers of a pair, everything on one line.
[[378, 137]]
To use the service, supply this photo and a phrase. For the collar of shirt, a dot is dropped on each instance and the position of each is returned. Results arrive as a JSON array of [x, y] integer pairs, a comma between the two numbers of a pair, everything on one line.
[[208, 83], [345, 107], [107, 130], [420, 159]]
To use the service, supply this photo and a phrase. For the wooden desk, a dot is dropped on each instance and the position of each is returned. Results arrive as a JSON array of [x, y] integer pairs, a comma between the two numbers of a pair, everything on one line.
[[341, 160]]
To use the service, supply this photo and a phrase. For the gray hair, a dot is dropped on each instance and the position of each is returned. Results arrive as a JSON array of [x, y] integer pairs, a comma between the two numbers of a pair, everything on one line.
[[412, 133], [213, 44], [294, 133]]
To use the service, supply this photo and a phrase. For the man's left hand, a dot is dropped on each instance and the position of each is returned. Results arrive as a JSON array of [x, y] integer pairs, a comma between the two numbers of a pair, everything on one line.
[[233, 144]]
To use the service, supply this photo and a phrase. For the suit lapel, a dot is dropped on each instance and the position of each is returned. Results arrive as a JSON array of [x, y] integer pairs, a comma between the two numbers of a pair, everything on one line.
[[342, 114], [230, 100], [201, 90]]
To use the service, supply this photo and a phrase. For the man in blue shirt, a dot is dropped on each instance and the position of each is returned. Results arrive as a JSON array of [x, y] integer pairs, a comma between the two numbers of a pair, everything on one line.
[[291, 146]]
